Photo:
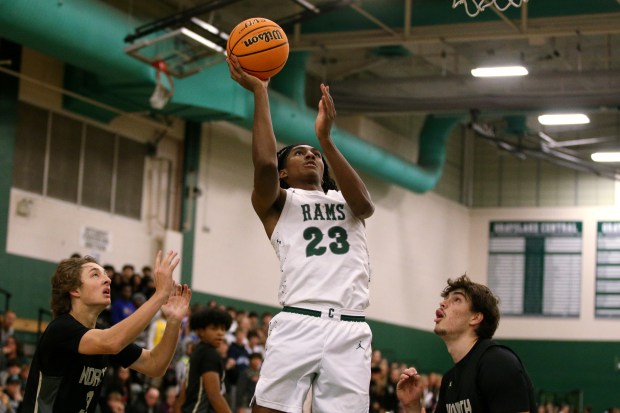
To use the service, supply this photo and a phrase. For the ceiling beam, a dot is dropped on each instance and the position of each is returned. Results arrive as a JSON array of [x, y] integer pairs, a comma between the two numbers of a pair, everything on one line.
[[506, 19], [583, 25], [567, 90], [373, 19]]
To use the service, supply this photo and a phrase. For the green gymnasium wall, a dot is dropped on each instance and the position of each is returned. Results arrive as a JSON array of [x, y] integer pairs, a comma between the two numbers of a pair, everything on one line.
[[563, 366]]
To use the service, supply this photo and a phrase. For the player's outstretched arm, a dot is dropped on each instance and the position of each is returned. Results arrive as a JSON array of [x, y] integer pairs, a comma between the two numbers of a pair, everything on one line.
[[264, 148], [112, 340], [155, 362], [409, 391], [352, 187]]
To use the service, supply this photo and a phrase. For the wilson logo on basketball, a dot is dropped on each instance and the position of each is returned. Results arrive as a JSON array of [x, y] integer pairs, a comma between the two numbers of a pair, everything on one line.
[[265, 37]]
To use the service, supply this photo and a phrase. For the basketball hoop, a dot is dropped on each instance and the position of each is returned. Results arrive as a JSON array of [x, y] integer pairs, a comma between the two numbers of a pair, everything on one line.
[[162, 94], [480, 5]]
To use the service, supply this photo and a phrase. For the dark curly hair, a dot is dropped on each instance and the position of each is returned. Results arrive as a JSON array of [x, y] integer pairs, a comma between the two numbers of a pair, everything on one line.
[[66, 279], [482, 301], [327, 182], [210, 317]]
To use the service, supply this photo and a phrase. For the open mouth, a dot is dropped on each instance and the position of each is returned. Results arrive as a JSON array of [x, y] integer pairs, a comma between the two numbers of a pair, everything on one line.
[[439, 315]]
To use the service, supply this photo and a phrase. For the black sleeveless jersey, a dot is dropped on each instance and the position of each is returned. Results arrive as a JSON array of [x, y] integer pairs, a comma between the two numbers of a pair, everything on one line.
[[489, 379]]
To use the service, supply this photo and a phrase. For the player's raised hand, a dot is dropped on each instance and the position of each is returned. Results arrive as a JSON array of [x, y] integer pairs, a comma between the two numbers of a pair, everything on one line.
[[327, 114], [162, 274], [251, 83], [178, 303], [409, 391]]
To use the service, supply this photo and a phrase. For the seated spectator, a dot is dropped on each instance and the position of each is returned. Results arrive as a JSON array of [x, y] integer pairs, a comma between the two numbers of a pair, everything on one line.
[[390, 400], [136, 283], [255, 345], [147, 271], [253, 318], [114, 403], [148, 286], [239, 352], [147, 403], [12, 350], [13, 389], [167, 405], [13, 368], [377, 390], [6, 326], [127, 272], [116, 285], [123, 306], [109, 270], [119, 382], [246, 384]]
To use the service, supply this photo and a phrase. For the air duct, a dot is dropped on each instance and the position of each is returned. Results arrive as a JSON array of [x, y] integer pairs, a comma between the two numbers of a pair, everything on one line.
[[89, 35]]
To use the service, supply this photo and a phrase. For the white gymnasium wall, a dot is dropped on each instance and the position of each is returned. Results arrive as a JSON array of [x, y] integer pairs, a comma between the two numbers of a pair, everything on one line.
[[232, 254], [52, 231], [586, 327], [416, 241]]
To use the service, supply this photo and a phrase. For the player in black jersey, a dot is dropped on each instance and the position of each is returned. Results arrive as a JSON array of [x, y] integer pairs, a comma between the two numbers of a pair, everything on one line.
[[202, 389], [73, 355], [487, 377]]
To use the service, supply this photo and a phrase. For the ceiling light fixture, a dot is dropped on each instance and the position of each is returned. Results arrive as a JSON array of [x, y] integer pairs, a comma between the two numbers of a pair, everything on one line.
[[564, 119], [202, 40], [209, 27], [606, 157], [500, 71]]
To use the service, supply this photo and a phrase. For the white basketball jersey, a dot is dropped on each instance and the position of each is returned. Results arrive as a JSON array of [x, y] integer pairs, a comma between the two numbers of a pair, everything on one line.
[[322, 250]]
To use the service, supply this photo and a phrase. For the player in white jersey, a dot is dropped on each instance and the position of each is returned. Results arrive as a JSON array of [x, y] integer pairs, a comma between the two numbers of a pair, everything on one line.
[[320, 339]]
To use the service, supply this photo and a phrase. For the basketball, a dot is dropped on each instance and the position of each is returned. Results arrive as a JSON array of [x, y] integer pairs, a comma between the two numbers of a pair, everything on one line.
[[260, 45]]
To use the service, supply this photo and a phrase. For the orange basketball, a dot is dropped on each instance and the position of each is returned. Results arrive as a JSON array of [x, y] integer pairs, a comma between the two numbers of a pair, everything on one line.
[[260, 45]]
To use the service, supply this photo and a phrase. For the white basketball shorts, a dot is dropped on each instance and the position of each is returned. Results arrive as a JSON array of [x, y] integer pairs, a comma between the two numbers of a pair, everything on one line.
[[322, 351]]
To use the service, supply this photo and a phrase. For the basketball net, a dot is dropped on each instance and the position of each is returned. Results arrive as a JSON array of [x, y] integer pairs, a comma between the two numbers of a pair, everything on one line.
[[162, 94], [480, 5]]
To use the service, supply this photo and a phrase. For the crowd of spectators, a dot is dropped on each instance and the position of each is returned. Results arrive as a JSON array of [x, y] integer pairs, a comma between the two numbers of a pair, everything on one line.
[[126, 391]]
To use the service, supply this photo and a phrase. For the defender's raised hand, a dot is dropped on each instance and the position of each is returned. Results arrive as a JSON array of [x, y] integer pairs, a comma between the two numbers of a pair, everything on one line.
[[178, 303], [409, 391], [162, 274]]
